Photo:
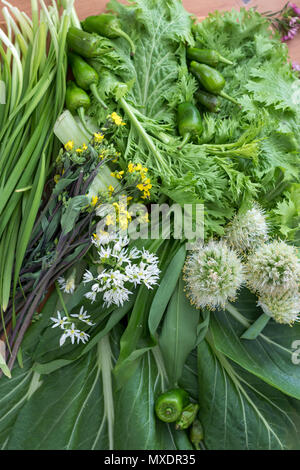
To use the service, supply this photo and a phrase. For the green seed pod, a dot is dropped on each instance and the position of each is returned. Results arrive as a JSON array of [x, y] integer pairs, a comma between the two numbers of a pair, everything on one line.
[[76, 98], [196, 434], [189, 121], [187, 416], [106, 25], [85, 44], [86, 77], [169, 405], [209, 101], [211, 80], [206, 56]]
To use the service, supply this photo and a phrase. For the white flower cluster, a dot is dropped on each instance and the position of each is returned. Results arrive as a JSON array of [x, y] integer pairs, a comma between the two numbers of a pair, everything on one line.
[[247, 230], [273, 273], [69, 329], [120, 267], [213, 273], [272, 268]]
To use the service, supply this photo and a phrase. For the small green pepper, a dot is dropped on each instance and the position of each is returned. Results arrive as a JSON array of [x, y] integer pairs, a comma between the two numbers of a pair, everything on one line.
[[86, 77], [108, 26], [189, 122], [208, 100], [211, 80], [169, 405], [86, 44], [206, 56], [196, 434], [187, 417], [77, 101]]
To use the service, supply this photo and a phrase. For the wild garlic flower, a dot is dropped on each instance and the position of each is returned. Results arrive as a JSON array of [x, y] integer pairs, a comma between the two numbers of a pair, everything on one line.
[[121, 269], [213, 273], [67, 285], [273, 268], [59, 321], [82, 316], [69, 329], [247, 230], [284, 308]]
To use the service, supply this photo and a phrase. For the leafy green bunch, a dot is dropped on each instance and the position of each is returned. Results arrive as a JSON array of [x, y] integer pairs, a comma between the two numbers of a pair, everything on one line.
[[245, 153]]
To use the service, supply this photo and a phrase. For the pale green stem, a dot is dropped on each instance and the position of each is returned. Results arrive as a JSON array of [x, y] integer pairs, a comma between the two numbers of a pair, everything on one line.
[[105, 365]]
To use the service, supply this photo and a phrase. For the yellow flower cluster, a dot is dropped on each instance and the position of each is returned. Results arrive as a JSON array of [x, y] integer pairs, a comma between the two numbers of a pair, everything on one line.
[[117, 174], [117, 119], [69, 146], [145, 184], [98, 137], [94, 201]]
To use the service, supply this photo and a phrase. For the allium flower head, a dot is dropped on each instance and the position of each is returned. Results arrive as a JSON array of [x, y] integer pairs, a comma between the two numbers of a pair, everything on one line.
[[284, 308], [247, 230], [213, 274], [273, 268]]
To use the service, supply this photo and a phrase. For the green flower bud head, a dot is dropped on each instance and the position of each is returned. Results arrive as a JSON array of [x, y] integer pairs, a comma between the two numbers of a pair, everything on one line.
[[284, 308], [273, 268], [213, 273], [247, 230]]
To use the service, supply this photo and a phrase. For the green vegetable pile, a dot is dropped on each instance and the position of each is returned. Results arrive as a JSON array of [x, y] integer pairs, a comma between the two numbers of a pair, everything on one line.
[[141, 343]]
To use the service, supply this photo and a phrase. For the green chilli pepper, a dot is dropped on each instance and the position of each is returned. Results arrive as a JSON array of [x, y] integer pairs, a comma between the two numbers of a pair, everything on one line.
[[211, 80], [86, 77], [206, 56], [211, 102], [169, 405], [196, 434], [189, 122], [77, 101], [85, 44], [108, 26], [187, 417]]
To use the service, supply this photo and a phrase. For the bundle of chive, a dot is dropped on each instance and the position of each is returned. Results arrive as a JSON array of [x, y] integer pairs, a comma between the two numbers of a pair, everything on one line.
[[32, 94]]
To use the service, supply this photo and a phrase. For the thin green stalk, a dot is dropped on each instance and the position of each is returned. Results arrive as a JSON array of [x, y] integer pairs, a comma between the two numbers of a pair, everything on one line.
[[144, 135], [62, 302], [105, 365]]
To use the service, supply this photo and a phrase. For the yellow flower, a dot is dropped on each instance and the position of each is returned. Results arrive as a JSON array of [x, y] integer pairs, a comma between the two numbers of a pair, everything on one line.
[[69, 146], [111, 189], [117, 119], [94, 200], [101, 156], [79, 150], [119, 175], [56, 178], [131, 167], [84, 147], [98, 137]]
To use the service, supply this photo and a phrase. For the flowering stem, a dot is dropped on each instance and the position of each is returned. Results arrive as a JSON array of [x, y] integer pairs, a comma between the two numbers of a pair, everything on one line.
[[256, 328], [139, 128], [236, 314], [62, 301]]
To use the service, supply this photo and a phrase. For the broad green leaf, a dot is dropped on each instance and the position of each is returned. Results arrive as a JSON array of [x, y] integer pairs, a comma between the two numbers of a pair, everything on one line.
[[136, 424], [269, 356], [165, 290], [239, 411], [67, 404], [13, 396], [179, 333]]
